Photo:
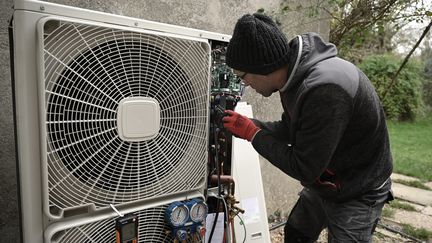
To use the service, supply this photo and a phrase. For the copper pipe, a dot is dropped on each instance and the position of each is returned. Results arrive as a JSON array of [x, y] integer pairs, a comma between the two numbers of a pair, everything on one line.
[[224, 179]]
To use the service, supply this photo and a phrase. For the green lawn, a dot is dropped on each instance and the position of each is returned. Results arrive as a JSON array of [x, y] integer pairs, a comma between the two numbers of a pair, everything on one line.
[[411, 144]]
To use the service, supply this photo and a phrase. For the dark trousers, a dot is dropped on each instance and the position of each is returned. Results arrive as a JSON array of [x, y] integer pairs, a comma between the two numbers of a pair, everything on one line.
[[351, 221]]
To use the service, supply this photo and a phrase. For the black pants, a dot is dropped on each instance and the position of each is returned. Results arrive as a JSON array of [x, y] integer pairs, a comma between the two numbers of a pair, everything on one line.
[[351, 221]]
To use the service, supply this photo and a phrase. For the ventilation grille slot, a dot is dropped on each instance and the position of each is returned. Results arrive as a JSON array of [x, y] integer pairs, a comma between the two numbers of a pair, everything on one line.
[[151, 228]]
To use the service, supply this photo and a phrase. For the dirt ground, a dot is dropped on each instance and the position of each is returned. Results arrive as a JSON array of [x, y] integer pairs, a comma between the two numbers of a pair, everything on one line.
[[390, 228], [277, 236]]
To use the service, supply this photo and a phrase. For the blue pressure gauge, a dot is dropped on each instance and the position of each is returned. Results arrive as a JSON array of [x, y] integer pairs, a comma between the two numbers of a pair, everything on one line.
[[177, 214], [198, 210]]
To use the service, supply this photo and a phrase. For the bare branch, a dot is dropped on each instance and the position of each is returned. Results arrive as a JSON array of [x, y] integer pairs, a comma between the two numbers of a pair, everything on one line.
[[394, 79]]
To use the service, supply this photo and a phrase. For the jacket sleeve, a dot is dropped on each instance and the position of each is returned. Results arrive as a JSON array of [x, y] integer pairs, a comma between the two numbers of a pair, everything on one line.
[[323, 116], [279, 129]]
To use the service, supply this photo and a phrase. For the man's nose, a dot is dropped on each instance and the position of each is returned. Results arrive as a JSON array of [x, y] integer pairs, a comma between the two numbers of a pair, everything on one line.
[[245, 83]]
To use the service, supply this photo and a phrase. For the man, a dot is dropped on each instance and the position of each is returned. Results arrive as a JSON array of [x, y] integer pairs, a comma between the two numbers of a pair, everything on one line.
[[332, 136]]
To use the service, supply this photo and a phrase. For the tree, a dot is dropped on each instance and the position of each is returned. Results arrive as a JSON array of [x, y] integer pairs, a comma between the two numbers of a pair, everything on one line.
[[360, 27], [426, 57], [404, 101], [426, 49], [394, 79]]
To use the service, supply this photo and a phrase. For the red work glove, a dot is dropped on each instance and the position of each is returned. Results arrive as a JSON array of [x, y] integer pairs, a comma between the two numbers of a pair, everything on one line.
[[239, 125]]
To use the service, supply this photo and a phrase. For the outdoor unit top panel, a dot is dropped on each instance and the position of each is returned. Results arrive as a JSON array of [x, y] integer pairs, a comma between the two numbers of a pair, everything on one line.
[[85, 14]]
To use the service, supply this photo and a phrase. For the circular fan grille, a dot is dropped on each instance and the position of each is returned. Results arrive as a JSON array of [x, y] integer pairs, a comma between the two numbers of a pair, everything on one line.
[[151, 228], [88, 71]]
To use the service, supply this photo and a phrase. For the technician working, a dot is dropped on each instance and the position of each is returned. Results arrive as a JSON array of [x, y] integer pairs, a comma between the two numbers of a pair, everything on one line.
[[332, 136]]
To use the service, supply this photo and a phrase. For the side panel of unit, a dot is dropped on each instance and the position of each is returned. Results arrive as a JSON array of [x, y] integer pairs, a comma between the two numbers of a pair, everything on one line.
[[249, 188], [27, 120]]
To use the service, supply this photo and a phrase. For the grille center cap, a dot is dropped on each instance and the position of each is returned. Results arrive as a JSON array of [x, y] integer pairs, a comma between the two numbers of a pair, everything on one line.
[[138, 118]]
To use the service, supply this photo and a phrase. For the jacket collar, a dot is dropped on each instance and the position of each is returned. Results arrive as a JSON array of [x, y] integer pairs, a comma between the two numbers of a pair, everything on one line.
[[297, 61]]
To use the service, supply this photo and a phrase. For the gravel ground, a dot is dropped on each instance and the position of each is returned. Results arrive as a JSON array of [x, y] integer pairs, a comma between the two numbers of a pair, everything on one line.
[[277, 236]]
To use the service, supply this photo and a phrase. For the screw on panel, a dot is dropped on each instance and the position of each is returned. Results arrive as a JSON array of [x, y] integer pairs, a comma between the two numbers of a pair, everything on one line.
[[136, 23], [42, 8]]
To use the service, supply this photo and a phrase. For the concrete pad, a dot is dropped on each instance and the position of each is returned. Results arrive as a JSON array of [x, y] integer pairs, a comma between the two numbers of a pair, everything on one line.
[[393, 237], [427, 211], [396, 176], [428, 184], [416, 219], [412, 194], [416, 206]]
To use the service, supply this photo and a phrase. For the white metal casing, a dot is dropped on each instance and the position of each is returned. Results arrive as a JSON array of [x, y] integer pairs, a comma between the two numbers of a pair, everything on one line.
[[27, 14], [249, 188]]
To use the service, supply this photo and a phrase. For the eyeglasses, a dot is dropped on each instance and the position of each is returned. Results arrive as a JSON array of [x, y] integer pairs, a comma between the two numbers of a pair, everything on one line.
[[241, 78]]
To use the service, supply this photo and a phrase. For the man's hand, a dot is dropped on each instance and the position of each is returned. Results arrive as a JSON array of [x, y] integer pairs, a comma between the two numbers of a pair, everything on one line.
[[239, 125]]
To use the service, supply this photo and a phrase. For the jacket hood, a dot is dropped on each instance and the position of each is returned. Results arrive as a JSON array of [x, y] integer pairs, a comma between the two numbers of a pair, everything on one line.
[[308, 49]]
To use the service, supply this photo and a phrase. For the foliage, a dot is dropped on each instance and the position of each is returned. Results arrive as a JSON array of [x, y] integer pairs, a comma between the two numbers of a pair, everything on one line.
[[404, 100], [358, 27], [427, 85], [362, 27], [426, 56], [428, 68]]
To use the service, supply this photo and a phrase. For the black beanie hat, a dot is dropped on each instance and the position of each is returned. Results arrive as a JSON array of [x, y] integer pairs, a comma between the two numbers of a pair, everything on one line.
[[257, 45]]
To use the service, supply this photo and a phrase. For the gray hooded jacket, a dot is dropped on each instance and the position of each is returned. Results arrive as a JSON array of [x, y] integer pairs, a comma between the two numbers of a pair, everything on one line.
[[332, 136]]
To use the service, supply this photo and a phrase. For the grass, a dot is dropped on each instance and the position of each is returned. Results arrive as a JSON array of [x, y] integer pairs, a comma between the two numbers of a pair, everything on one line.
[[388, 212], [417, 184], [421, 233], [411, 144], [401, 205]]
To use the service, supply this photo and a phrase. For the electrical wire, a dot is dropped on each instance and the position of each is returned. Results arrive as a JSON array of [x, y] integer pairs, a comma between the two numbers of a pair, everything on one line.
[[226, 221], [214, 223], [216, 130], [244, 227], [233, 236], [219, 108]]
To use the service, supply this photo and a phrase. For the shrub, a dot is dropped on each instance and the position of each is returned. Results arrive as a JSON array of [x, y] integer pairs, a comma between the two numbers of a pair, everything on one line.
[[427, 85], [403, 101], [427, 93]]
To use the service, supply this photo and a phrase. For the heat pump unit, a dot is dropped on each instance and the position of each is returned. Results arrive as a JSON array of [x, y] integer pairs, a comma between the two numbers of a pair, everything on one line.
[[109, 110]]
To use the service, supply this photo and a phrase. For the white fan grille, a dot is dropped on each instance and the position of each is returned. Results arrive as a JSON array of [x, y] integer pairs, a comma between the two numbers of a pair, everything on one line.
[[88, 70], [151, 228]]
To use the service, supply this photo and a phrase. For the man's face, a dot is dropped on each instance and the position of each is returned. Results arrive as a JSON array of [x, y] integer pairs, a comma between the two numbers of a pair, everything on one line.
[[262, 84]]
